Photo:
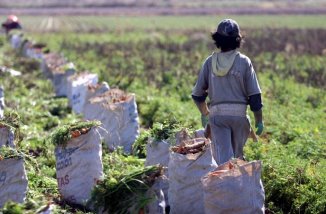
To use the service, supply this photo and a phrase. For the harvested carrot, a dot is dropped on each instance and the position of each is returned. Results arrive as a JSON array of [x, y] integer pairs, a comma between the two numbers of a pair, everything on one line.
[[218, 172], [75, 133], [191, 146], [195, 145]]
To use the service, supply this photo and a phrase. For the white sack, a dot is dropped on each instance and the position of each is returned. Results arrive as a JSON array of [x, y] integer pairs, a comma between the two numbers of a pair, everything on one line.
[[158, 202], [13, 180], [238, 190], [121, 121], [157, 153], [34, 53], [15, 41], [50, 62], [77, 88], [7, 137], [185, 172], [60, 78], [79, 166], [93, 91], [94, 111]]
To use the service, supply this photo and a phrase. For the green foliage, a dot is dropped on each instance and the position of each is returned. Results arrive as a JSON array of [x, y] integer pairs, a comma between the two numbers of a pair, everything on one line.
[[163, 131], [159, 132], [124, 24], [58, 107], [127, 194], [11, 119], [8, 152], [139, 147], [12, 208], [62, 134]]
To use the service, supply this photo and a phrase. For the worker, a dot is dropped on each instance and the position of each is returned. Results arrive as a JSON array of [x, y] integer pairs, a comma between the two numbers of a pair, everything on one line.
[[228, 78], [11, 23]]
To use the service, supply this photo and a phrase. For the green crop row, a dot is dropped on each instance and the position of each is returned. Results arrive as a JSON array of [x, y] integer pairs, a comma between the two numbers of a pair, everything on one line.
[[206, 22]]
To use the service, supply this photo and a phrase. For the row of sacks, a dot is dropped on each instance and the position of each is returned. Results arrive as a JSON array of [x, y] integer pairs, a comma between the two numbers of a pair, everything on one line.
[[78, 163], [196, 184], [79, 169], [116, 109], [13, 179], [26, 46]]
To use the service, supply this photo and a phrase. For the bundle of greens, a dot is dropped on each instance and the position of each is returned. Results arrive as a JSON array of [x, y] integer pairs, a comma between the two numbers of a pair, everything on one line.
[[63, 134], [159, 132], [127, 194], [8, 152], [11, 119], [163, 131]]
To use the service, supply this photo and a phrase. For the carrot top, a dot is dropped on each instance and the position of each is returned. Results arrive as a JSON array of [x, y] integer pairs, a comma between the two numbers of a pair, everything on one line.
[[63, 134]]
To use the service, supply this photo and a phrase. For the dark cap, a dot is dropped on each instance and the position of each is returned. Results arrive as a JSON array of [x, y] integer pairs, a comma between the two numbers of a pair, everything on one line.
[[228, 27]]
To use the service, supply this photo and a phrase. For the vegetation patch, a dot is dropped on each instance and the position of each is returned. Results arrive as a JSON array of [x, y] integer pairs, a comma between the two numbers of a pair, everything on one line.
[[63, 134]]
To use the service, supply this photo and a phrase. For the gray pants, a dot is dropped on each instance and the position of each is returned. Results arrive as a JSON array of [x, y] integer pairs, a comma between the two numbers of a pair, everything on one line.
[[229, 135]]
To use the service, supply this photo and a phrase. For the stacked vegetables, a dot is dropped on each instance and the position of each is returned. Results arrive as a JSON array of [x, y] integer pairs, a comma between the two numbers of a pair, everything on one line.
[[127, 194], [191, 146]]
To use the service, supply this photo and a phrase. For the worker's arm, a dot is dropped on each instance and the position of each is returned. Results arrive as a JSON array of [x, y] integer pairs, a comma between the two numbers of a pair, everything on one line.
[[201, 104], [202, 107], [199, 92], [256, 105]]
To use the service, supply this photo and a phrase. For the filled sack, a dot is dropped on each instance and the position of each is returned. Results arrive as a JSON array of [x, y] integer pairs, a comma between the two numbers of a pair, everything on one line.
[[49, 62], [234, 187], [60, 78], [189, 162], [94, 90], [13, 180], [79, 165], [77, 89], [157, 152], [118, 113]]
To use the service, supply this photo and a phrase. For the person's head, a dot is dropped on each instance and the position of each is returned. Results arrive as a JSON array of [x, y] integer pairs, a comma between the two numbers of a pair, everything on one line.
[[11, 23], [227, 35]]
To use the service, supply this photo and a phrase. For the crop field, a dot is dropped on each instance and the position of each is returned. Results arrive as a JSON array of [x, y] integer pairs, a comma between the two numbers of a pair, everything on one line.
[[158, 59], [203, 22]]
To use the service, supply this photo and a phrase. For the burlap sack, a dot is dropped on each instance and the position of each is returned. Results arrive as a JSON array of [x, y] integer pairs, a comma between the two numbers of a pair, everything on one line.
[[13, 181], [77, 89], [185, 189], [79, 167], [234, 187]]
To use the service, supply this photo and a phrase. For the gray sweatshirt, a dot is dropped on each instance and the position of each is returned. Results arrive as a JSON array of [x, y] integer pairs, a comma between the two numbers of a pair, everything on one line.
[[235, 86]]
